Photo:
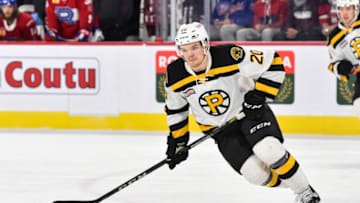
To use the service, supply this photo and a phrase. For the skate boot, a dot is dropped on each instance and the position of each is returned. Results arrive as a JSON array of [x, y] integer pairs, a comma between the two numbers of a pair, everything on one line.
[[307, 196]]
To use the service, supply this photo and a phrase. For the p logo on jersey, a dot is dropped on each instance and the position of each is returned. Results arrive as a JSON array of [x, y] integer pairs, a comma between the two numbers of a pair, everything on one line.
[[355, 47], [215, 102], [236, 53]]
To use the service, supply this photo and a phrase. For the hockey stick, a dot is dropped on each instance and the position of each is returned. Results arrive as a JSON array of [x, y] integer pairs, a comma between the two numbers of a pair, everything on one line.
[[158, 165]]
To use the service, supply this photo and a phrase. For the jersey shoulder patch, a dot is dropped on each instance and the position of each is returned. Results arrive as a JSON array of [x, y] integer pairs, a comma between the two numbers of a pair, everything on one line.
[[227, 54]]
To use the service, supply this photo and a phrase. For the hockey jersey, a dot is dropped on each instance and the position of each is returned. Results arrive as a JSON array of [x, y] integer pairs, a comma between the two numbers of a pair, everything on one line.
[[344, 43], [216, 95], [23, 28], [66, 18]]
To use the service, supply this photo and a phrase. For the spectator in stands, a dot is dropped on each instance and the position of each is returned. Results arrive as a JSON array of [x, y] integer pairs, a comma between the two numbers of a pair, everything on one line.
[[29, 8], [38, 4], [302, 21], [15, 25], [69, 20], [119, 20], [221, 10], [239, 16], [192, 10], [269, 17], [327, 16]]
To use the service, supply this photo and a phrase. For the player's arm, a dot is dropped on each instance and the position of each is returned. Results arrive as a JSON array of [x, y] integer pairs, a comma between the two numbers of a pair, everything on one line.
[[30, 31], [339, 65], [177, 112], [86, 20], [52, 24], [267, 69], [269, 82]]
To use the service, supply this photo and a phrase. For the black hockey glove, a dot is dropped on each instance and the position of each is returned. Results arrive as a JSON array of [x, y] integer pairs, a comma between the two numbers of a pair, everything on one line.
[[345, 68], [253, 105], [177, 150]]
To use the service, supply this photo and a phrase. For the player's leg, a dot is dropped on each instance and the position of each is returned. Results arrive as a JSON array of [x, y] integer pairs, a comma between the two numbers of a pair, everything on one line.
[[266, 140], [237, 152], [257, 172]]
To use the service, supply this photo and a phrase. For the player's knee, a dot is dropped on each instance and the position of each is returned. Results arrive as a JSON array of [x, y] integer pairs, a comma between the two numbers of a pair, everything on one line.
[[269, 150], [255, 171]]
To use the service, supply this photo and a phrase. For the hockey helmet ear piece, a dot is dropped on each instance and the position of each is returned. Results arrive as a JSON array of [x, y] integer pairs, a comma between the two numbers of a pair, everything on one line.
[[189, 33], [8, 2]]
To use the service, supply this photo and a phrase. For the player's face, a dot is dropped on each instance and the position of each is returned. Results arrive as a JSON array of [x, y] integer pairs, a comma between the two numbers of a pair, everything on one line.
[[192, 53], [8, 11], [347, 14]]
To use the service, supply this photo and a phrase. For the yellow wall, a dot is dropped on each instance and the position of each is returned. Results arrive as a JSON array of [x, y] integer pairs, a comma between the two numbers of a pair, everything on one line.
[[157, 122]]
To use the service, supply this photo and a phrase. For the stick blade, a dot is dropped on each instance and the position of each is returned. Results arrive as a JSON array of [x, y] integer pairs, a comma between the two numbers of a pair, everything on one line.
[[74, 201]]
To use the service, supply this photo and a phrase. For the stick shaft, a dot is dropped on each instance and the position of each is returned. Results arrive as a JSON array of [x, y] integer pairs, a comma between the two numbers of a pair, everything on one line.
[[158, 165]]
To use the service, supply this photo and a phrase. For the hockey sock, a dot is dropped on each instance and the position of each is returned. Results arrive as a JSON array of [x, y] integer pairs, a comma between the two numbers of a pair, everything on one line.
[[273, 180], [290, 173], [257, 172]]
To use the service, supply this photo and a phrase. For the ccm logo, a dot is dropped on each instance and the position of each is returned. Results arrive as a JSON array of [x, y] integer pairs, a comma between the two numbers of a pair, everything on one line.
[[260, 126]]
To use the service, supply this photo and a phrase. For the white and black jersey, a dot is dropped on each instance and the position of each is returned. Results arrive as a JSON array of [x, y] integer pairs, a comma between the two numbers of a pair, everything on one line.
[[215, 94], [344, 44]]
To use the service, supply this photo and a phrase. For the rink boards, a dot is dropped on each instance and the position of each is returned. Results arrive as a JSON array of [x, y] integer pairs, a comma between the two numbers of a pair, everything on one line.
[[118, 86]]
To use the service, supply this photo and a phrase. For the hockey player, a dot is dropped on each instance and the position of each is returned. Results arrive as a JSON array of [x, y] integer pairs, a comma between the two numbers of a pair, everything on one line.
[[15, 25], [69, 20], [343, 45], [217, 83]]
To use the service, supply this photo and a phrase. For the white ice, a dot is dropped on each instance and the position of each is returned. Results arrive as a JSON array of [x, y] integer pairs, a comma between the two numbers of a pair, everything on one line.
[[44, 166]]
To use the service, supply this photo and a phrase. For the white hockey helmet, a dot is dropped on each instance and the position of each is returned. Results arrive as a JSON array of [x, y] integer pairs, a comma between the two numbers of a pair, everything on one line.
[[189, 33], [343, 3]]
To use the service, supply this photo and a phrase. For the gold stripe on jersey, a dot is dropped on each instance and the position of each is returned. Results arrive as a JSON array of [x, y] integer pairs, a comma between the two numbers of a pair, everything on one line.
[[337, 38], [266, 88], [180, 132], [341, 35], [183, 82], [206, 128], [221, 70], [277, 61], [214, 72], [331, 67]]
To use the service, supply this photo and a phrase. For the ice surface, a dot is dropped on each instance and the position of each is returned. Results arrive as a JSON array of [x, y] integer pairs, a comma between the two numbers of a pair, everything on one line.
[[43, 166]]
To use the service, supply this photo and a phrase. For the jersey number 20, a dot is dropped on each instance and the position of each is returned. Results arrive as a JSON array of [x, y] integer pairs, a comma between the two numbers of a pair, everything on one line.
[[257, 56]]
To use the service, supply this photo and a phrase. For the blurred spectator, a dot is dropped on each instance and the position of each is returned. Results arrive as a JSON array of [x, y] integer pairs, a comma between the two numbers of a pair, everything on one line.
[[269, 17], [327, 16], [238, 17], [119, 20], [29, 8], [150, 17], [221, 10], [302, 21], [38, 4], [193, 11], [69, 20], [15, 25]]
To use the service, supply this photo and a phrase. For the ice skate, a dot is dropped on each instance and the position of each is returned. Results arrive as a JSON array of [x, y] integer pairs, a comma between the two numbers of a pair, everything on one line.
[[308, 196]]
